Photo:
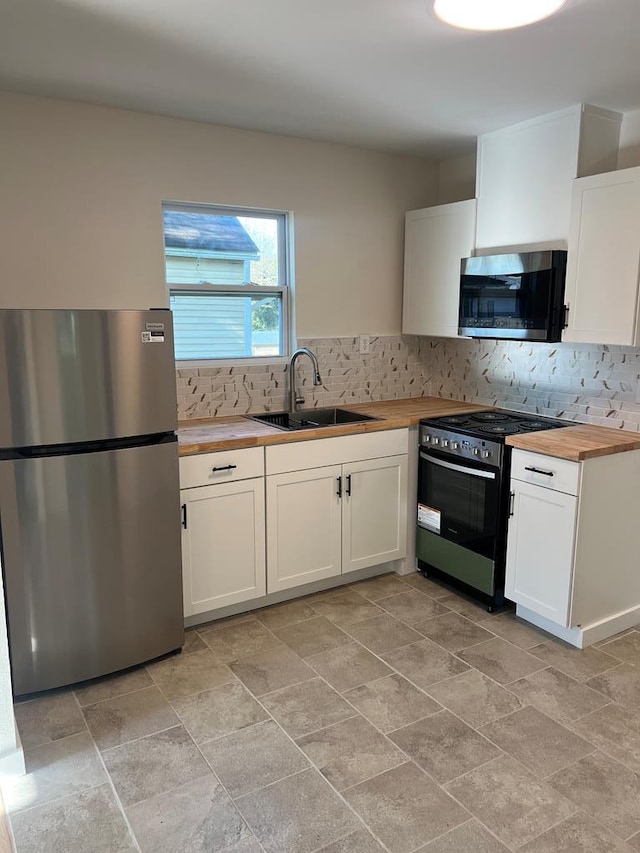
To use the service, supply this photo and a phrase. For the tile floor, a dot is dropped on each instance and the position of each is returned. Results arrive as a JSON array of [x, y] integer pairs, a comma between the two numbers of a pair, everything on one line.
[[392, 715]]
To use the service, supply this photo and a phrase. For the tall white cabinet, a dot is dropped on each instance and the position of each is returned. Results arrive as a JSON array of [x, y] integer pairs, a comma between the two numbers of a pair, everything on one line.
[[436, 239], [603, 263]]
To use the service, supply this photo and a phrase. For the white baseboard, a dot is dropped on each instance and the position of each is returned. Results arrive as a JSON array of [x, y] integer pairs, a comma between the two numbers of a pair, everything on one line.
[[585, 635], [12, 762]]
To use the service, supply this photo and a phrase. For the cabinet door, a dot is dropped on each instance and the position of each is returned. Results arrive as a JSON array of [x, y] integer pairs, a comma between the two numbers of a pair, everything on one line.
[[374, 512], [223, 545], [436, 239], [303, 527], [540, 549], [524, 179], [602, 266]]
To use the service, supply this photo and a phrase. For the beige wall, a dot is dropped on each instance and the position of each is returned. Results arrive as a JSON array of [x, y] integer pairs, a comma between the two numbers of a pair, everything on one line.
[[457, 179], [80, 217]]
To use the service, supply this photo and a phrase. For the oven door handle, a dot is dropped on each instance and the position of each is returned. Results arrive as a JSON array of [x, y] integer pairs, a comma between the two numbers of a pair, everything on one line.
[[474, 472]]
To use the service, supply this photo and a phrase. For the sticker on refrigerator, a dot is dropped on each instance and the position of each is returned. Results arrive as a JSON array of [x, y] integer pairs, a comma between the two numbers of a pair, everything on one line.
[[145, 337], [156, 332], [429, 518]]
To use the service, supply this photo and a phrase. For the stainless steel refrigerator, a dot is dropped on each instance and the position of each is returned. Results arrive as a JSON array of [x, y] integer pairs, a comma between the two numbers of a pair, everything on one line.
[[89, 493]]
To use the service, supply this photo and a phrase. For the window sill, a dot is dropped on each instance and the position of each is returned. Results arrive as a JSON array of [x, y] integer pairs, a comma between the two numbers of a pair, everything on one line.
[[255, 361]]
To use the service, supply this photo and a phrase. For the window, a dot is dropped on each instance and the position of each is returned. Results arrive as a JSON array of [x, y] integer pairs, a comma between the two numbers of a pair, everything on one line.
[[227, 274]]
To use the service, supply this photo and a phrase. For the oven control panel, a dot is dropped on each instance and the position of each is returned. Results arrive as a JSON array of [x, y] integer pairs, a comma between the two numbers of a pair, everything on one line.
[[463, 446]]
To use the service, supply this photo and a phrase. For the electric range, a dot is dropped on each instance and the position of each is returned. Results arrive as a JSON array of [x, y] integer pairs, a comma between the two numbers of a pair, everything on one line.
[[463, 497]]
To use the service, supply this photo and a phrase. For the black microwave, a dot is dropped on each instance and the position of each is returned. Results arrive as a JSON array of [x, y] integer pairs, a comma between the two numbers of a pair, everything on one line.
[[518, 296]]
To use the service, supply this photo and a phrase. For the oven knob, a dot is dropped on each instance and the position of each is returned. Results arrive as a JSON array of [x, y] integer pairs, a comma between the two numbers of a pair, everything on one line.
[[444, 442], [475, 451], [454, 445], [486, 454], [435, 440], [426, 439]]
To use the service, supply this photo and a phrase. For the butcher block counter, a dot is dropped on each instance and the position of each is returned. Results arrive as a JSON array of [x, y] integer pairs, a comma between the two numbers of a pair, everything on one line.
[[583, 441], [208, 435]]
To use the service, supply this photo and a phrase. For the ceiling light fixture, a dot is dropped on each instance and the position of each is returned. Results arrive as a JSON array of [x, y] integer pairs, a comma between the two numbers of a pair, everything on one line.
[[494, 14]]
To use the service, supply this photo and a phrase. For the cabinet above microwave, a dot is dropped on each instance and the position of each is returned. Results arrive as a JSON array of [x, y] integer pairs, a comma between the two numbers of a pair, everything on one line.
[[525, 174]]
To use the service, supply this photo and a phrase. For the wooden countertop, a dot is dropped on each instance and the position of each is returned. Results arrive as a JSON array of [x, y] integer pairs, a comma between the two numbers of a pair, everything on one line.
[[583, 441], [231, 433]]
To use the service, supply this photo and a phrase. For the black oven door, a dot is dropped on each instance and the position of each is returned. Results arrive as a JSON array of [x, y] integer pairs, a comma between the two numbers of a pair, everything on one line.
[[459, 500]]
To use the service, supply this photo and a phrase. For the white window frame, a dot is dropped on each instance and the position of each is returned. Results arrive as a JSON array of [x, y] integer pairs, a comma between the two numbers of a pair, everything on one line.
[[284, 287]]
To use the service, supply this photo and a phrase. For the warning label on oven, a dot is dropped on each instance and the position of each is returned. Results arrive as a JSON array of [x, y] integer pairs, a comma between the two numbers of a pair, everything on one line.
[[429, 517]]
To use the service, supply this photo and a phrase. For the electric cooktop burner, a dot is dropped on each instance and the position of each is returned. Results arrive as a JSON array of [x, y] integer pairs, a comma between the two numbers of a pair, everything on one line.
[[500, 429], [492, 416], [494, 422], [454, 420], [533, 425]]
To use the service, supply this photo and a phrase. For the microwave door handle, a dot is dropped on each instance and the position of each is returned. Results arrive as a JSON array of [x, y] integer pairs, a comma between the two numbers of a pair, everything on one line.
[[474, 472]]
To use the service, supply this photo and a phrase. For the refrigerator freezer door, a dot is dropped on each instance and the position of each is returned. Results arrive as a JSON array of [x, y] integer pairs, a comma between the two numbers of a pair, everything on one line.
[[78, 376], [91, 553]]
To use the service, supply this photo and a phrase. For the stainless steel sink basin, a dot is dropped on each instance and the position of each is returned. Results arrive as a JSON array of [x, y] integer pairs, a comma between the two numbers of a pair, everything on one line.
[[311, 418]]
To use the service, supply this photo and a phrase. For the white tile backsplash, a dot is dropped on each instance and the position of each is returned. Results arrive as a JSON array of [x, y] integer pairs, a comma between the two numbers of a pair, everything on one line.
[[395, 367], [588, 383]]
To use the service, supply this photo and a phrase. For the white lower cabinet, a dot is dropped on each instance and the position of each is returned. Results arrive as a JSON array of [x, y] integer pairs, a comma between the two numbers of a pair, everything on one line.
[[374, 512], [303, 527], [540, 550], [571, 548], [223, 533], [335, 518], [327, 507]]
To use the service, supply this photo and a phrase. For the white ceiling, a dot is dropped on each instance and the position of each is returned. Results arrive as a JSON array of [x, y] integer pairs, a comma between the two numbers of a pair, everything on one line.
[[376, 73]]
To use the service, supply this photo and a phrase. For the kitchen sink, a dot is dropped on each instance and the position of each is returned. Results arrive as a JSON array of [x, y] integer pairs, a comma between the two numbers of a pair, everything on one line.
[[311, 418]]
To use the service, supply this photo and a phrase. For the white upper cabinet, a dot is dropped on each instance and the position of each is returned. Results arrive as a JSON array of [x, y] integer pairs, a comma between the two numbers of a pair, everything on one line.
[[436, 239], [603, 260], [525, 175]]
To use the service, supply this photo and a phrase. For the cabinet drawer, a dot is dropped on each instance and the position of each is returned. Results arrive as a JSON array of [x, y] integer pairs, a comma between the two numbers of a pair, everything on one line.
[[223, 466], [549, 471], [322, 452]]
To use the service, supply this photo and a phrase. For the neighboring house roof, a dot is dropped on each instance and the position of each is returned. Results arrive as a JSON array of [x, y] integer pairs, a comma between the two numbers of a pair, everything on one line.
[[206, 231]]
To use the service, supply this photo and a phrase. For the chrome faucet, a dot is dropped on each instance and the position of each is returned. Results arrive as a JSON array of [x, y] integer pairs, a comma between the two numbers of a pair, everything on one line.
[[294, 398]]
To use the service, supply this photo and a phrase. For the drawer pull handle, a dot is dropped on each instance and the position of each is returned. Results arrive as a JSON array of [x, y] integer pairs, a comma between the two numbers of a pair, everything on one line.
[[339, 487], [184, 516], [512, 497], [540, 471], [348, 485], [223, 468]]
